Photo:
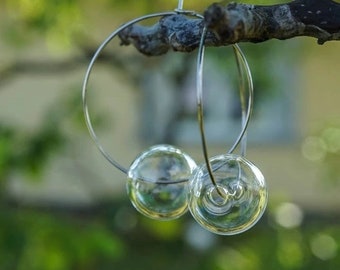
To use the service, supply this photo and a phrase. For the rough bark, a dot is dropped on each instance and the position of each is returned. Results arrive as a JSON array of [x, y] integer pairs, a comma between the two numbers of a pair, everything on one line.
[[234, 23]]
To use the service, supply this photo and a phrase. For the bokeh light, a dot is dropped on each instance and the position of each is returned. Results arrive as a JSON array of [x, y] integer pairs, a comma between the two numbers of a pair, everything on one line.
[[289, 215], [323, 246], [314, 148]]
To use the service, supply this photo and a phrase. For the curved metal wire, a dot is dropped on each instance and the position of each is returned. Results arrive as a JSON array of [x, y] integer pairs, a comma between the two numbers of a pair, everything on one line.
[[245, 78], [180, 5], [102, 46], [241, 63]]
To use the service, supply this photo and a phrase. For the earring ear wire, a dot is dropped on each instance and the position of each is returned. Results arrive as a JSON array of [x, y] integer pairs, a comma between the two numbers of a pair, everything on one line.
[[245, 81], [161, 191]]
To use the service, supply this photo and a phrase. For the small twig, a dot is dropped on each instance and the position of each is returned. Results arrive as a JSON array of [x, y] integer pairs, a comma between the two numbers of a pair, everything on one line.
[[233, 23]]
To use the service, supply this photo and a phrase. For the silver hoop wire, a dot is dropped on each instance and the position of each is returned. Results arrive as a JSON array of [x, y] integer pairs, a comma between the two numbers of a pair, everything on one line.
[[244, 70], [244, 75], [241, 63], [102, 46]]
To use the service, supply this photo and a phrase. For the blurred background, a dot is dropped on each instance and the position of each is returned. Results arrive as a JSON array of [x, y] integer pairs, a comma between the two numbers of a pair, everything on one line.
[[62, 206]]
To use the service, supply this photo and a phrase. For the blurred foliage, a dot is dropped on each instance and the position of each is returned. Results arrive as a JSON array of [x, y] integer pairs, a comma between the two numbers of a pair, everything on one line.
[[27, 152], [88, 239], [31, 151], [109, 236], [34, 240], [323, 148], [59, 21]]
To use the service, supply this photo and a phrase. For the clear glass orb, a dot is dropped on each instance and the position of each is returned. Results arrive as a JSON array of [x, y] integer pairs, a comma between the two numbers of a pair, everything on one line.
[[158, 182], [237, 202]]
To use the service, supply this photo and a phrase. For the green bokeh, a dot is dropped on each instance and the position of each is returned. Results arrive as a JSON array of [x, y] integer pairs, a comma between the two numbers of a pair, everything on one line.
[[106, 235]]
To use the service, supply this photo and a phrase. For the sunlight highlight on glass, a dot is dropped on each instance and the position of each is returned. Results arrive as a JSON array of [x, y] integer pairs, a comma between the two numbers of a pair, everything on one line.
[[157, 182]]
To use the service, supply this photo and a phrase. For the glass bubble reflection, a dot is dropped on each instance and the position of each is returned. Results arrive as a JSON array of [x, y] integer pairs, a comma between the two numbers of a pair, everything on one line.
[[157, 182], [238, 203]]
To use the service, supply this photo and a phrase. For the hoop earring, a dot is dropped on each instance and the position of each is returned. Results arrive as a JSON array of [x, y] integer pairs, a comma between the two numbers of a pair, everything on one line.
[[157, 179], [228, 193], [163, 181]]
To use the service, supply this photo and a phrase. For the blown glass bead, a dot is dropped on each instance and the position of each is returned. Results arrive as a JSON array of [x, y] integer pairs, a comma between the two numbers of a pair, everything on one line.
[[237, 201], [158, 182]]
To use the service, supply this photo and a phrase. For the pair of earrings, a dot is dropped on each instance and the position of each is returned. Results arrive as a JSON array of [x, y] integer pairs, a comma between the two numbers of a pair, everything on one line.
[[226, 195], [163, 182]]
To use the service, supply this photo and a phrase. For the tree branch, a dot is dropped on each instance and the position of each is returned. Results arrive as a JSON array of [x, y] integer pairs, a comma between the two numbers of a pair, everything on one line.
[[233, 23]]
